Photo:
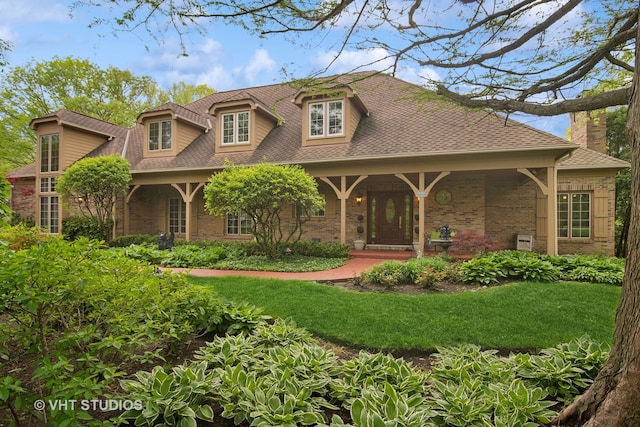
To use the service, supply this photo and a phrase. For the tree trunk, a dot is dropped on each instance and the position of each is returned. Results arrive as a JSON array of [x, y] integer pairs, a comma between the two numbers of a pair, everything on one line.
[[614, 397]]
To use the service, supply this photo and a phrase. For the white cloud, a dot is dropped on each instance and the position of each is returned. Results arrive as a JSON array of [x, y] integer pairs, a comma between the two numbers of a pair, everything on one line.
[[27, 11], [259, 63], [352, 60], [372, 59]]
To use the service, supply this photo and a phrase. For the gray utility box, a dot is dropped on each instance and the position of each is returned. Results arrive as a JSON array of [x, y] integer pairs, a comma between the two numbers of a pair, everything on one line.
[[524, 242]]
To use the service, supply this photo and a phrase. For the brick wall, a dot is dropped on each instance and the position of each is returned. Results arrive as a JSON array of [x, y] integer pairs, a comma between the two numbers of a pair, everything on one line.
[[511, 209], [23, 197]]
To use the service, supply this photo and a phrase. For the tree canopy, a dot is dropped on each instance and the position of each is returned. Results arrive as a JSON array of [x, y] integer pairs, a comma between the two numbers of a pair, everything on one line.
[[38, 88], [92, 185], [264, 194], [5, 211]]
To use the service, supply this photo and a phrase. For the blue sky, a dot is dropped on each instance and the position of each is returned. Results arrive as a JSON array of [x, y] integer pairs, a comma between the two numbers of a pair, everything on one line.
[[225, 58]]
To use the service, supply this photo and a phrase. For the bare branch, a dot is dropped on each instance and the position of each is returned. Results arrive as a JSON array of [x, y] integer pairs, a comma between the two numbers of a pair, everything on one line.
[[587, 103]]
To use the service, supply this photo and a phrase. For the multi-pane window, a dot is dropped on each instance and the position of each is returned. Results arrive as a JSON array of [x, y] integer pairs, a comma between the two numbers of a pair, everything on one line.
[[49, 153], [574, 215], [239, 224], [48, 205], [320, 212], [49, 163], [177, 216], [160, 135], [326, 118], [47, 184], [49, 213], [235, 128]]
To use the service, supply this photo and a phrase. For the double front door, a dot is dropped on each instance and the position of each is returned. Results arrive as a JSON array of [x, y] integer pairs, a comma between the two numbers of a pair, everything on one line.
[[390, 218]]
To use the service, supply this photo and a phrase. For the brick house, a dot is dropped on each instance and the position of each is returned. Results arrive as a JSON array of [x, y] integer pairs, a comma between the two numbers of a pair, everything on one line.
[[392, 160]]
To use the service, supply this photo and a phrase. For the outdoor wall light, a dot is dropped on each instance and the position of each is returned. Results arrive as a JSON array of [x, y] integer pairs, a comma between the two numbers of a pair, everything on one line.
[[359, 198]]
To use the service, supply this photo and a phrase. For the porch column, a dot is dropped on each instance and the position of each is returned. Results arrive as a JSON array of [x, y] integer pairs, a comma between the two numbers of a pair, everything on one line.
[[421, 192], [127, 199], [187, 196], [550, 189], [552, 211], [343, 194]]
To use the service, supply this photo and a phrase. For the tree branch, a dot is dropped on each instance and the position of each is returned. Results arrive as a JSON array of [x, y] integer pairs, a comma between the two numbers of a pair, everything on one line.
[[588, 103]]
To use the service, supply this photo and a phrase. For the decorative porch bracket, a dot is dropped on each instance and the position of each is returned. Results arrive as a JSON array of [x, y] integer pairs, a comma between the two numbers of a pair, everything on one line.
[[343, 194], [187, 196], [126, 208], [550, 189], [421, 192]]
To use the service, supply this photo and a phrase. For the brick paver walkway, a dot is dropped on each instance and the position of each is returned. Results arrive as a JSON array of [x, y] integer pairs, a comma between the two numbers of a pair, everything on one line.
[[360, 260]]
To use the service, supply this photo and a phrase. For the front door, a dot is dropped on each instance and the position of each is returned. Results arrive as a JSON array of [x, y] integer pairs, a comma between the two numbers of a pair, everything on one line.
[[390, 218]]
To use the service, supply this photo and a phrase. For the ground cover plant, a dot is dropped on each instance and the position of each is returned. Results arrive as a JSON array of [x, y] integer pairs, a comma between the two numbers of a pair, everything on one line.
[[513, 316], [75, 317], [299, 256], [494, 267], [277, 375]]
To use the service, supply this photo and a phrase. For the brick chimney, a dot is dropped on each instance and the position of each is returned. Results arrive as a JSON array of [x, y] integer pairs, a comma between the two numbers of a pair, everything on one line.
[[589, 130]]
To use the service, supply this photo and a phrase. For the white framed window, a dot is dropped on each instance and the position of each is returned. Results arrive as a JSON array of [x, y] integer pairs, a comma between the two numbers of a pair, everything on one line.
[[49, 205], [326, 118], [177, 216], [574, 215], [160, 135], [319, 213], [239, 224], [47, 184], [49, 153], [235, 128]]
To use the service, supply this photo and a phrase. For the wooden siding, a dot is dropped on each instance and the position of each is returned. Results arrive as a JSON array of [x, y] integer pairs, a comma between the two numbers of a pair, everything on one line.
[[184, 134], [75, 144]]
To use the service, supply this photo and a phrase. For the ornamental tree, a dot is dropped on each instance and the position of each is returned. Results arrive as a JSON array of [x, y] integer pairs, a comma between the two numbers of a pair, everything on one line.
[[266, 194], [91, 186]]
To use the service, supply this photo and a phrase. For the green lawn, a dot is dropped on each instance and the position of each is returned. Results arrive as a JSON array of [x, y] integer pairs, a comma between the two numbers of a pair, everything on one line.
[[515, 316]]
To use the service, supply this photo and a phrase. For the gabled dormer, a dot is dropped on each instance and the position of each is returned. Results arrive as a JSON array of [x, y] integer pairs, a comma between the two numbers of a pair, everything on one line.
[[170, 128], [330, 116], [242, 123]]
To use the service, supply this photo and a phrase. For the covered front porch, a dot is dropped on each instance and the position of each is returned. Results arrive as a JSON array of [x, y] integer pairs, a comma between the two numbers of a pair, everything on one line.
[[398, 209]]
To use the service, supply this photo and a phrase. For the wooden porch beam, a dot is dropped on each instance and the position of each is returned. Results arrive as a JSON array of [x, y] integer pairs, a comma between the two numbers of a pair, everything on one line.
[[421, 192], [343, 193]]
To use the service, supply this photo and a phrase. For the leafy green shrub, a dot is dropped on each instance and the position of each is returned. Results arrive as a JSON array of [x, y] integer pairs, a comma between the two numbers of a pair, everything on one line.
[[388, 273], [482, 270], [75, 227], [193, 256], [591, 268], [424, 272], [134, 239], [20, 236], [491, 268], [27, 221], [85, 313]]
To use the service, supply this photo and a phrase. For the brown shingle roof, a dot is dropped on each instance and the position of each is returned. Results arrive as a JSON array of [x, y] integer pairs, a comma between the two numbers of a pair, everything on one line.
[[398, 124], [583, 158], [404, 120], [80, 121], [180, 112]]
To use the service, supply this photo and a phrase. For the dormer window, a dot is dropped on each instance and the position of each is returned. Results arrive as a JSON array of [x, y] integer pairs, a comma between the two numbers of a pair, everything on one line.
[[326, 118], [160, 135], [235, 128]]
